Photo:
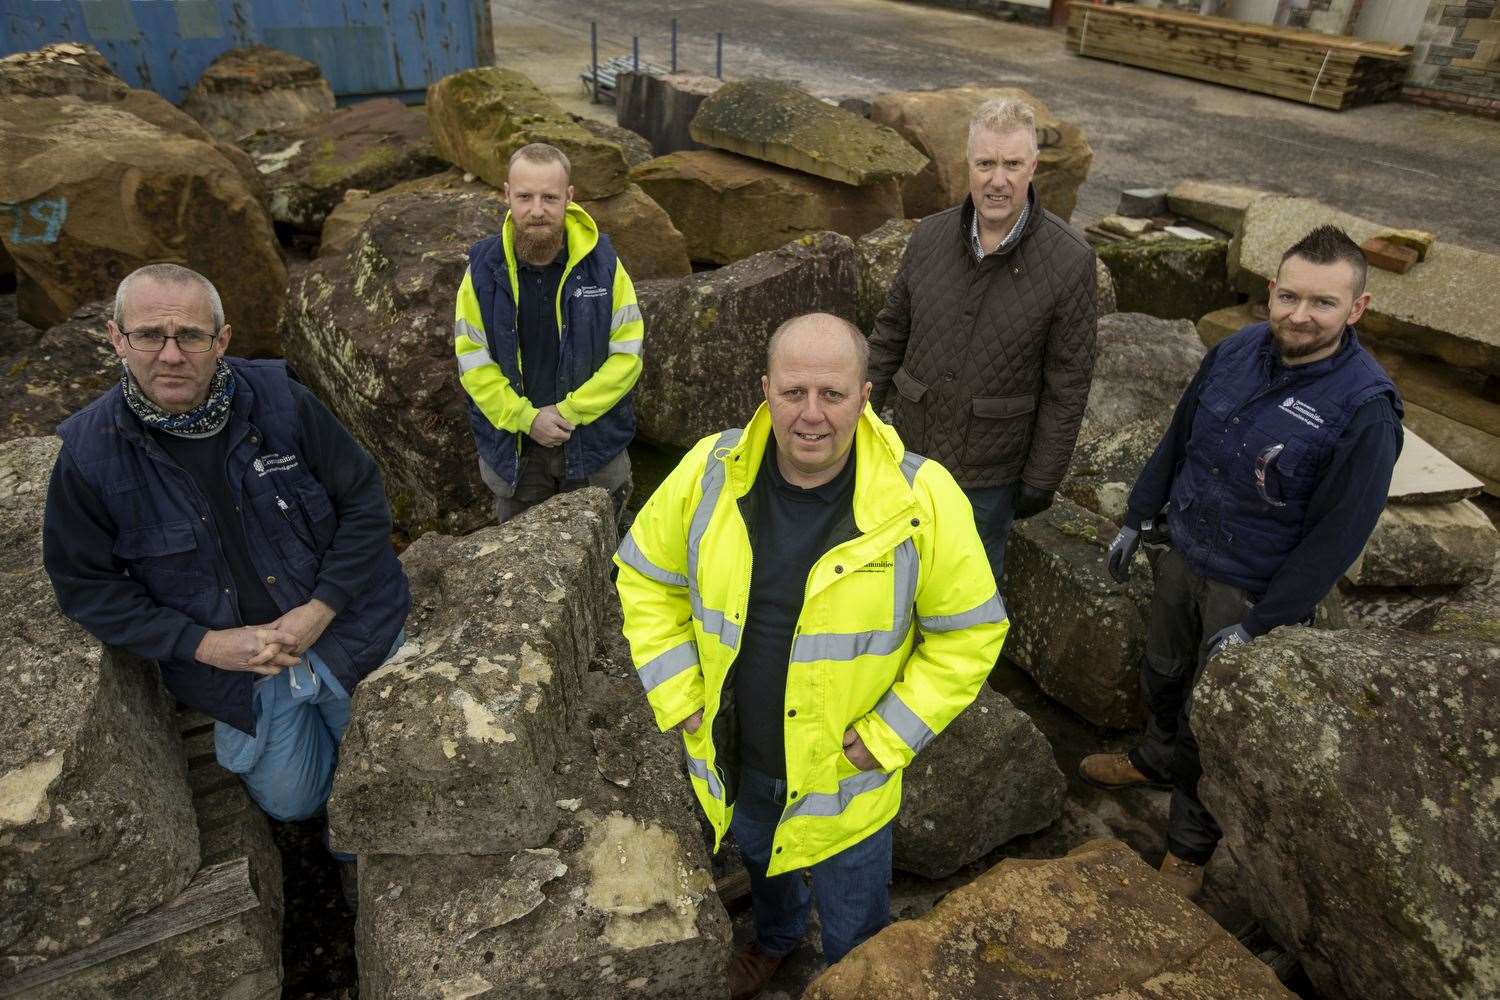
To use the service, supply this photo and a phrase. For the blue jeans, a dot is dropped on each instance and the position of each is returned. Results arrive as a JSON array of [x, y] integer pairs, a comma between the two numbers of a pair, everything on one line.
[[300, 718], [852, 887], [994, 510]]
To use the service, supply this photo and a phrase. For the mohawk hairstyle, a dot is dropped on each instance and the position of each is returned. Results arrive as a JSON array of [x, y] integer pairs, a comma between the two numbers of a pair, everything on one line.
[[1328, 245]]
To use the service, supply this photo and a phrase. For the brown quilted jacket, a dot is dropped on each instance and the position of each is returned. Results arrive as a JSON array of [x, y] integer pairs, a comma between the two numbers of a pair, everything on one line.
[[990, 361]]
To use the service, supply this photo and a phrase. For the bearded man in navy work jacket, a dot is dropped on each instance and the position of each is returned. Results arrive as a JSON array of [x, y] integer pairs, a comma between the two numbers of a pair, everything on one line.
[[210, 514], [1270, 478]]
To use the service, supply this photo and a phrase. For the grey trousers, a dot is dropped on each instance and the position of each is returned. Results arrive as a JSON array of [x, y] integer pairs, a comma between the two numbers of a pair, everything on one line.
[[541, 477]]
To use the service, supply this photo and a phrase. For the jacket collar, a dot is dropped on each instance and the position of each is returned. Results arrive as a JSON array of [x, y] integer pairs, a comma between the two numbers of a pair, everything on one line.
[[578, 226], [1033, 222]]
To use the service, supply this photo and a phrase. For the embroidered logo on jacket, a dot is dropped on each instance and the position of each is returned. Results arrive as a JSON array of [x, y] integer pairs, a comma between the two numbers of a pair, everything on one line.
[[589, 292], [269, 463], [1298, 410]]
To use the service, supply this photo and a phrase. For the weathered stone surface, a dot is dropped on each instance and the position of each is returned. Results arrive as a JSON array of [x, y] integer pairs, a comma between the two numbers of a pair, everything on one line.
[[479, 117], [1444, 307], [1096, 923], [1354, 774], [1222, 206], [992, 745], [661, 108], [1475, 450], [1221, 323], [1079, 634], [936, 122], [255, 87], [1106, 462], [620, 902], [1142, 364], [1143, 203], [1426, 545], [238, 957], [643, 234], [635, 147], [1170, 278], [310, 164], [101, 192], [372, 333], [58, 374], [16, 335], [1424, 475], [96, 822], [341, 228], [451, 745], [880, 254], [1106, 300], [707, 335], [729, 207], [774, 121]]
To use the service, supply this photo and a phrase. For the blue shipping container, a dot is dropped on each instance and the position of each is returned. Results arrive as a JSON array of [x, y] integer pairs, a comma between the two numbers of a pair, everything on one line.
[[364, 47]]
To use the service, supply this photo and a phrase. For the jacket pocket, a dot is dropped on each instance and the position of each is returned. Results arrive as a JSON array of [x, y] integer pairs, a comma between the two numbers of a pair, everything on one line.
[[999, 431], [910, 415], [164, 559]]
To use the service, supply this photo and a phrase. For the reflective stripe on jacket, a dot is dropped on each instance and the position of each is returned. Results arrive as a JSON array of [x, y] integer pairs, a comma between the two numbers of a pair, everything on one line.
[[914, 568], [601, 333]]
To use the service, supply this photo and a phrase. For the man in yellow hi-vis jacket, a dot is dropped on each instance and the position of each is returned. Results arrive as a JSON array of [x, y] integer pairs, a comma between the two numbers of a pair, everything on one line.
[[811, 605], [548, 337]]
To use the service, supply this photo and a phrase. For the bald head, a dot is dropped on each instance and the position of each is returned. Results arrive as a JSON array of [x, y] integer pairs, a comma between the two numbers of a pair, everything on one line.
[[823, 334]]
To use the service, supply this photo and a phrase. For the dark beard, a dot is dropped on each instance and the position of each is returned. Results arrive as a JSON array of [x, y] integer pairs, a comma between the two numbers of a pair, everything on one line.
[[1301, 350], [538, 246]]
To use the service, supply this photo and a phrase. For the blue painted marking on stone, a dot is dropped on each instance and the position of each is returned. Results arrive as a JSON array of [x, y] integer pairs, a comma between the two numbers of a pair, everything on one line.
[[50, 212]]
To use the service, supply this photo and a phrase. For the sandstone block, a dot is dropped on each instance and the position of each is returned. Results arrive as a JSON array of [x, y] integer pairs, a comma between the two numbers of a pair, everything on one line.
[[1171, 278], [1374, 864], [992, 745], [661, 108], [452, 744], [779, 123], [1222, 323], [1222, 206], [98, 192], [1078, 634], [479, 117], [635, 147], [1142, 364], [619, 902], [1426, 545], [649, 245], [1097, 922], [729, 207], [58, 374], [1477, 451], [255, 86], [96, 820], [880, 254], [1424, 475], [1143, 203], [1106, 463], [707, 334], [309, 165], [936, 122]]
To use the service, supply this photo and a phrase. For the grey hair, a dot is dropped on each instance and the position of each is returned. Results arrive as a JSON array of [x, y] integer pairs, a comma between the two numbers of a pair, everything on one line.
[[541, 152], [171, 274], [856, 339], [1001, 115]]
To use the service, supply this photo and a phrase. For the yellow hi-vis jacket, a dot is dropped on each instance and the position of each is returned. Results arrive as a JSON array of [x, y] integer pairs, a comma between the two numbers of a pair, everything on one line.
[[900, 625]]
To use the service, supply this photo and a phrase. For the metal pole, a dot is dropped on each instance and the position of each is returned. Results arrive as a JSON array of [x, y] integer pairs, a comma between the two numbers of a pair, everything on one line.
[[594, 55], [635, 52], [719, 55], [674, 45]]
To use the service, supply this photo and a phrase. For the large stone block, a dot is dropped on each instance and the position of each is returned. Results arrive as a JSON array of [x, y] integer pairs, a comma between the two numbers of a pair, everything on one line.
[[99, 192], [1171, 278], [452, 743], [729, 207], [1078, 634], [1424, 475], [59, 374], [479, 117], [1142, 364], [619, 902], [255, 86], [1443, 308], [372, 333], [1222, 206], [1427, 545], [946, 821], [1105, 464], [649, 245], [936, 122], [774, 121], [96, 820], [1095, 923], [309, 165], [706, 335], [880, 256], [1354, 774], [661, 108]]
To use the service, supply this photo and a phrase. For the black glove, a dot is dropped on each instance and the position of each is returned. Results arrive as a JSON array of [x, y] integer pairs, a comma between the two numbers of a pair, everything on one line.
[[1030, 501], [1121, 551], [1225, 638]]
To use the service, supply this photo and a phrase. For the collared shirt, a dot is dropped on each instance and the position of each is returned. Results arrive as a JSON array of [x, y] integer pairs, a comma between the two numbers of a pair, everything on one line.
[[1010, 238]]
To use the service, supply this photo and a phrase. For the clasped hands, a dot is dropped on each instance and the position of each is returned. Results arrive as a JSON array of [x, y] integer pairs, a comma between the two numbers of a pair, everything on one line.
[[266, 649], [854, 748]]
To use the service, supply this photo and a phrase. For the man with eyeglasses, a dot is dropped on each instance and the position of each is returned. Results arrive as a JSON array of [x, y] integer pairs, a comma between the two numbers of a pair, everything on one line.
[[1270, 479], [211, 514]]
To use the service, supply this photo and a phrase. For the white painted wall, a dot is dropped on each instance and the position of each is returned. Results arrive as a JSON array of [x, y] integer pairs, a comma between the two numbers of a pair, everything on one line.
[[1396, 21]]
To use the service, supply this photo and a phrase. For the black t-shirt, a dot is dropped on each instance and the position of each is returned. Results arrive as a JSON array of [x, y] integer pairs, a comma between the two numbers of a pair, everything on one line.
[[791, 532], [536, 320]]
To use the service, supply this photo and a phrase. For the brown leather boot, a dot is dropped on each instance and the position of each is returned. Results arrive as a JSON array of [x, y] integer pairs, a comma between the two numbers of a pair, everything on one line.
[[750, 970], [1185, 878], [1113, 771]]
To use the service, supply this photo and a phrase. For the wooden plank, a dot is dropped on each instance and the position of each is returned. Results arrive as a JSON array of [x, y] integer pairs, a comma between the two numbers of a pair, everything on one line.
[[215, 893], [1270, 34]]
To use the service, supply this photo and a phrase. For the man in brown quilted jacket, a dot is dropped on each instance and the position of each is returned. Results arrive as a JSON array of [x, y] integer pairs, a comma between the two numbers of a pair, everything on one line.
[[987, 335]]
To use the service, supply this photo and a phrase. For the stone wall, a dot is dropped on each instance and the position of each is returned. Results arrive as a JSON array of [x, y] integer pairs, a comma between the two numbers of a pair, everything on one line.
[[1456, 61]]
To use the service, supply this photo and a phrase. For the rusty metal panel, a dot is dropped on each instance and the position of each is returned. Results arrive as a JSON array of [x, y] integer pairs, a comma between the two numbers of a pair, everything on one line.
[[363, 46]]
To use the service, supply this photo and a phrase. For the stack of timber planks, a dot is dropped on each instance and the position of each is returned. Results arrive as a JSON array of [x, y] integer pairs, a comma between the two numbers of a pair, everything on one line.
[[1329, 71]]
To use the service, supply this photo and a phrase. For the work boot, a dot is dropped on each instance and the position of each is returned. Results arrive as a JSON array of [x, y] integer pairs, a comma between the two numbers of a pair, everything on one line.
[[1114, 771], [751, 969], [1185, 878]]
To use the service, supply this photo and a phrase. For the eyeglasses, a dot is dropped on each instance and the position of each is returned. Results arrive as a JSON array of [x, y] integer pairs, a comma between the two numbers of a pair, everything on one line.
[[1263, 462], [189, 341]]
